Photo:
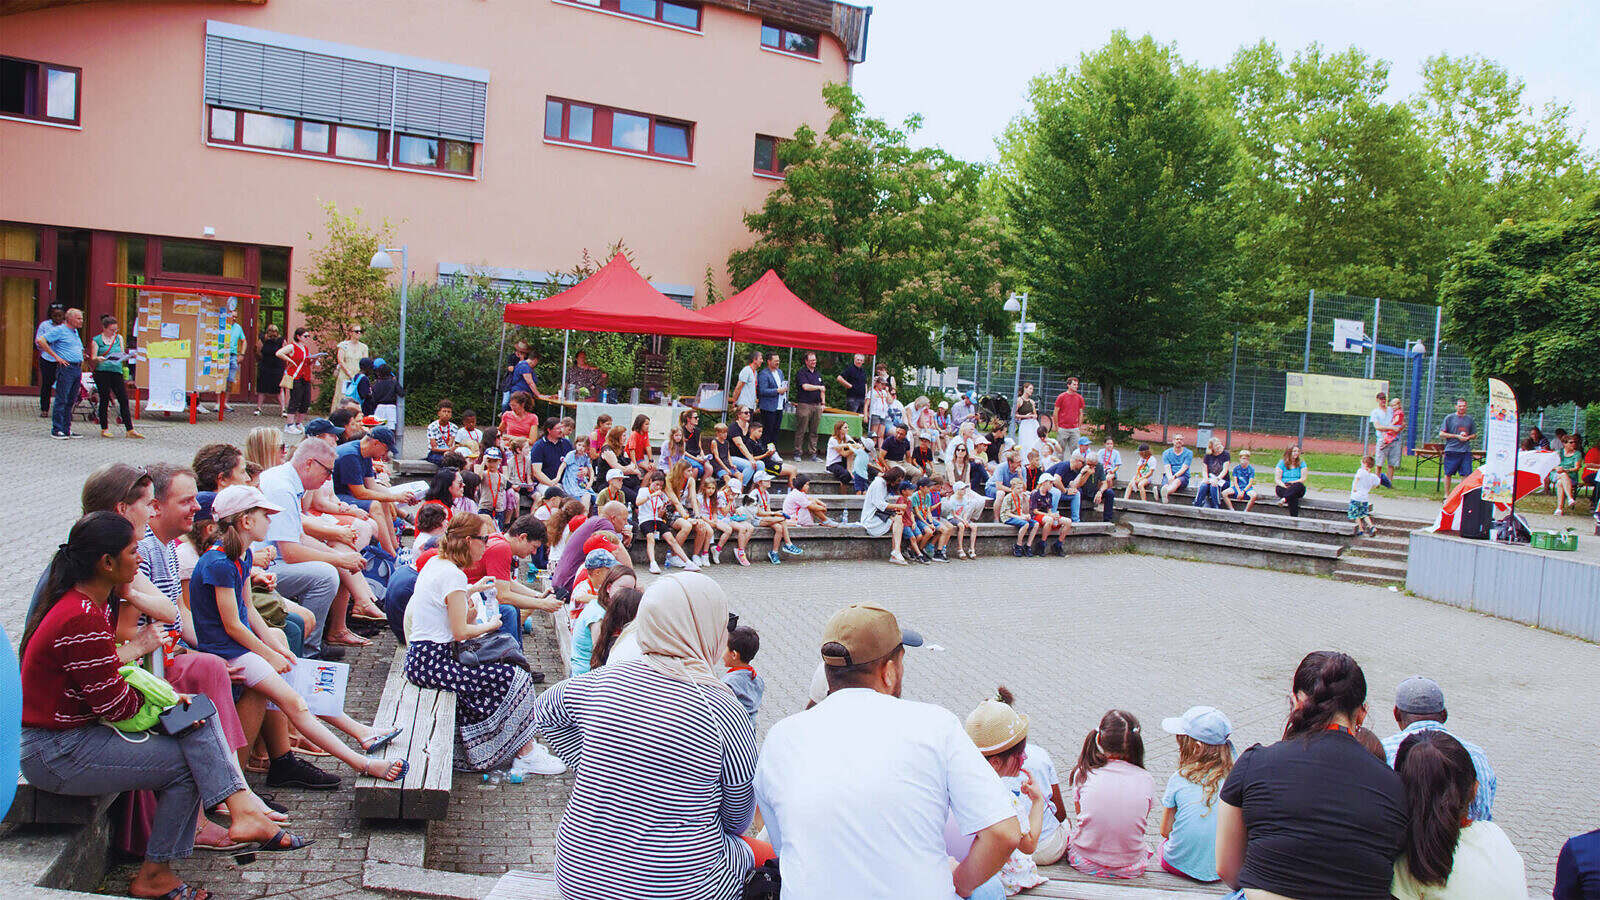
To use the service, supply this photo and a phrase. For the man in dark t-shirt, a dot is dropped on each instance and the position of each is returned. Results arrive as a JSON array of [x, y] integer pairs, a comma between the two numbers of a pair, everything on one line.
[[896, 446], [854, 381], [547, 453], [356, 483]]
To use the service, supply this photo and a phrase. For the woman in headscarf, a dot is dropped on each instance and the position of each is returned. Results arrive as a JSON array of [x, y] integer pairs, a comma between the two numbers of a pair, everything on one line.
[[665, 756]]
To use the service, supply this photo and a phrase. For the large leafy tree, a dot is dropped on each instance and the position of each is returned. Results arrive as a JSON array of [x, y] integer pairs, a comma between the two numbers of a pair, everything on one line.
[[1524, 306], [881, 236], [1115, 182], [1497, 156], [1336, 185]]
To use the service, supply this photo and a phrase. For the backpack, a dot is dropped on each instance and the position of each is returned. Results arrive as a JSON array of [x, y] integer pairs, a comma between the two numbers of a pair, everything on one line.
[[352, 388]]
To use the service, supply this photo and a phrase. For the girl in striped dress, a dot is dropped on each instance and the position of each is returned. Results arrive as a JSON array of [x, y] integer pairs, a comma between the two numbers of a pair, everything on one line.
[[665, 757]]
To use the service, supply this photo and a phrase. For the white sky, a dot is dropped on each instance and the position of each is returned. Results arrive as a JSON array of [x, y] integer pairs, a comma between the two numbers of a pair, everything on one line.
[[965, 64]]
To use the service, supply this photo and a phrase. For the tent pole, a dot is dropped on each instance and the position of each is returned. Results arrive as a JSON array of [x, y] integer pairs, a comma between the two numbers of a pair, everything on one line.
[[727, 379], [499, 366], [562, 387]]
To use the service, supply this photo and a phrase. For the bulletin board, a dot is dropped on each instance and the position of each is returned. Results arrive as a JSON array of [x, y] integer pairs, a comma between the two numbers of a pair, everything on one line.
[[182, 338]]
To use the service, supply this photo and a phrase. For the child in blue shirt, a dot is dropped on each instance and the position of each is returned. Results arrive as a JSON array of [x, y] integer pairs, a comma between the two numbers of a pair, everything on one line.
[[1243, 483], [1189, 821], [743, 642]]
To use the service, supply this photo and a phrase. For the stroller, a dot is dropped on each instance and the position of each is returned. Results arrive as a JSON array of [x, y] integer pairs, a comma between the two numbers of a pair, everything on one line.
[[88, 402], [995, 408]]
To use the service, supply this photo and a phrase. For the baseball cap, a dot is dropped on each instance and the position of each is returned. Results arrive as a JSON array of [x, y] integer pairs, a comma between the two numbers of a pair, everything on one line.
[[958, 487], [864, 632], [763, 475], [944, 404], [1419, 696], [599, 559], [601, 540], [319, 427], [1205, 724], [491, 453], [385, 434], [1083, 442], [995, 727], [614, 475], [238, 498], [204, 498], [378, 362]]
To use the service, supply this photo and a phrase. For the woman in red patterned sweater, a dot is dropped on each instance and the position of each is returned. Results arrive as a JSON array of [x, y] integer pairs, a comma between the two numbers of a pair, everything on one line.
[[70, 684]]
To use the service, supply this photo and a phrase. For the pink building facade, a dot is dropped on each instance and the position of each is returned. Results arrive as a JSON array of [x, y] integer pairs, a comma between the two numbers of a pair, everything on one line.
[[195, 143]]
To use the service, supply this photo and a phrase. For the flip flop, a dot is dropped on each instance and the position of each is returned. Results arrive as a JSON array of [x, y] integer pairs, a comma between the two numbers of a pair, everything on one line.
[[186, 891], [303, 747], [405, 766], [366, 618], [381, 742], [352, 640], [283, 842]]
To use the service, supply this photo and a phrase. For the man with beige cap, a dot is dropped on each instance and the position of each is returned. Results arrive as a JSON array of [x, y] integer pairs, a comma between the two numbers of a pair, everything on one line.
[[855, 791]]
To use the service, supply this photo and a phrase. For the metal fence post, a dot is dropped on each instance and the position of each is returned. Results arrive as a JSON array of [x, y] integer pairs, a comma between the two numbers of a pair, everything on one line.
[[1311, 309], [1372, 367], [1233, 385], [988, 367], [1433, 370]]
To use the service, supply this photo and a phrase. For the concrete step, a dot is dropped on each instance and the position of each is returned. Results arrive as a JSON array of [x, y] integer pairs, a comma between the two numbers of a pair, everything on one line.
[[1236, 521], [1393, 571], [851, 542], [1309, 557], [1366, 578], [1313, 509], [1364, 551]]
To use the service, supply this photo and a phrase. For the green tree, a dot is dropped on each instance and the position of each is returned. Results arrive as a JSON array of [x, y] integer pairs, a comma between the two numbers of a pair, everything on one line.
[[1115, 181], [1498, 157], [1336, 186], [880, 236], [345, 287], [1524, 306]]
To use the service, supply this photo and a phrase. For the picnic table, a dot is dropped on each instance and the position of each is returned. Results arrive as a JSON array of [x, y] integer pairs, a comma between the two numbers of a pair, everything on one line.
[[1433, 454]]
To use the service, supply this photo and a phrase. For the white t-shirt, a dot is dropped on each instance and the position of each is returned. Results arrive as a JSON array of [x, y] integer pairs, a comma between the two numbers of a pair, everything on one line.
[[187, 557], [833, 452], [855, 792], [1037, 762], [427, 617], [745, 393], [1486, 866], [1362, 484]]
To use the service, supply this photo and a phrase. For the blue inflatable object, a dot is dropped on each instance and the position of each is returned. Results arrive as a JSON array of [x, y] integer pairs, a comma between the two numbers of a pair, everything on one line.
[[10, 722]]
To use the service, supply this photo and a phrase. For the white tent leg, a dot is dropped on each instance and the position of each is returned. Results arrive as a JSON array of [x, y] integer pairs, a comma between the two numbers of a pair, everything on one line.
[[727, 380], [562, 387]]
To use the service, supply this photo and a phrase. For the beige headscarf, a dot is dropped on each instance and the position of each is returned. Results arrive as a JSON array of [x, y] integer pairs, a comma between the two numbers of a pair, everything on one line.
[[683, 627]]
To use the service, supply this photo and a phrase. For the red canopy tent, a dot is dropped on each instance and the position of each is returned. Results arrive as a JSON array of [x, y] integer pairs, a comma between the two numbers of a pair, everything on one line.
[[616, 298], [767, 312]]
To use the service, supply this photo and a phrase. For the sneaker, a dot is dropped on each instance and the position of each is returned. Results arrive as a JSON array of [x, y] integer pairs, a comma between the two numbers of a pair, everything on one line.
[[290, 771], [135, 435], [538, 761], [672, 562], [58, 435], [257, 411], [1056, 549], [716, 554], [690, 565], [106, 432], [939, 556], [72, 435], [897, 559], [773, 557], [293, 429], [739, 554], [1016, 550], [793, 550], [1027, 550], [655, 569]]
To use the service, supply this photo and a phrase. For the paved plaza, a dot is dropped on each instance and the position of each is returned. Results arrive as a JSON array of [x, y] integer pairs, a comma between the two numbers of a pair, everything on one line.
[[1071, 637]]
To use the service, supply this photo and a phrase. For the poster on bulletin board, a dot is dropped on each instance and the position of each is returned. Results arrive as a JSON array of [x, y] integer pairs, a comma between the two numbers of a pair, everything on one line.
[[186, 336]]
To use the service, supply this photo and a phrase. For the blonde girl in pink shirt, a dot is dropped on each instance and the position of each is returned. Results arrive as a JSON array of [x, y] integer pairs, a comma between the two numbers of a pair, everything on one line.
[[1113, 796]]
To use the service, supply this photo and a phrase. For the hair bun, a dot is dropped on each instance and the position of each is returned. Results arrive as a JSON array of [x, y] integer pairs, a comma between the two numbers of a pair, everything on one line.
[[1004, 695]]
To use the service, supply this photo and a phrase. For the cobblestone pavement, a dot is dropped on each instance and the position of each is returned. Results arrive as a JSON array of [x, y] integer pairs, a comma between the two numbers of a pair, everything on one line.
[[1072, 637]]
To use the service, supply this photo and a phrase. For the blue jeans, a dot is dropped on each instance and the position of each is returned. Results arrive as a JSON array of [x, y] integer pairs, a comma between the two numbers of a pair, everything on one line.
[[510, 625], [1074, 501], [1208, 496], [66, 395], [747, 469]]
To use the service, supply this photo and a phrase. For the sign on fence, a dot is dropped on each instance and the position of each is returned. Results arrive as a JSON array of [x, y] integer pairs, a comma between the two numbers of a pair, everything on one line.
[[1311, 393], [1347, 330], [1500, 444]]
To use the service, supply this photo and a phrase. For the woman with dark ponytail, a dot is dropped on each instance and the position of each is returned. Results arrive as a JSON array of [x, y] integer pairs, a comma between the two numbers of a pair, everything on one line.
[[1326, 817], [1447, 854], [71, 684]]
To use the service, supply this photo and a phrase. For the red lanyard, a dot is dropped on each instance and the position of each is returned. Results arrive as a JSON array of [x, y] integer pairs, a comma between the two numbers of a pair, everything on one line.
[[1343, 728]]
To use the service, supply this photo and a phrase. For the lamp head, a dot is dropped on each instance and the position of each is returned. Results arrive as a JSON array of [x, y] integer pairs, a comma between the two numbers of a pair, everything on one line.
[[381, 260], [1012, 305]]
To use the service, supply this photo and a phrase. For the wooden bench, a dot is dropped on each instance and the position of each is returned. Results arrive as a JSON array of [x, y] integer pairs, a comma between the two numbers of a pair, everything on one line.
[[427, 742], [561, 623]]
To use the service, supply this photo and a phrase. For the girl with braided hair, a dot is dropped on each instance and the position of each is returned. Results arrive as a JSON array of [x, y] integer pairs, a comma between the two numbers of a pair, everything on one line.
[[1113, 796], [1316, 814]]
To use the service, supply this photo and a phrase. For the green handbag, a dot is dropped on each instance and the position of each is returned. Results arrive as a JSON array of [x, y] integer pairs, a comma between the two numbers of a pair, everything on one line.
[[158, 697]]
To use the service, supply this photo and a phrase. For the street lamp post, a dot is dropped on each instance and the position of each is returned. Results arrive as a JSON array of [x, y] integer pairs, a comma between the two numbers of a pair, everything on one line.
[[1018, 302], [382, 260]]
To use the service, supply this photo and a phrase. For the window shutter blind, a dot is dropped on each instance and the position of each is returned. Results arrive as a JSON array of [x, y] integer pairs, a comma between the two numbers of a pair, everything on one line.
[[286, 80]]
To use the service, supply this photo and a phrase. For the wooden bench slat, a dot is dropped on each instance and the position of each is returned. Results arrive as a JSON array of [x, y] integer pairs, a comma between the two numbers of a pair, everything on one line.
[[427, 743], [521, 884]]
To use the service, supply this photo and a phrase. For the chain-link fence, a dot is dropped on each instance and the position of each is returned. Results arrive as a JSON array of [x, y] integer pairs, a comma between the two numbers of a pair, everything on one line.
[[1244, 401]]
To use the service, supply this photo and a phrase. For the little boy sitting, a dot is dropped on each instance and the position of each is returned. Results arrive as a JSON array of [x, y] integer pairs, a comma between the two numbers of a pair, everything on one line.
[[743, 642]]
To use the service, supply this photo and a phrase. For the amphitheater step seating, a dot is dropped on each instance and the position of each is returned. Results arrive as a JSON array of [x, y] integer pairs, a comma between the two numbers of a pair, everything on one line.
[[851, 542], [1260, 524], [1209, 545]]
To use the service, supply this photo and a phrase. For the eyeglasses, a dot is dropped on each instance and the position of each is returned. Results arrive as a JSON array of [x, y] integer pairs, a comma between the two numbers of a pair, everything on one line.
[[324, 465], [478, 537], [357, 331]]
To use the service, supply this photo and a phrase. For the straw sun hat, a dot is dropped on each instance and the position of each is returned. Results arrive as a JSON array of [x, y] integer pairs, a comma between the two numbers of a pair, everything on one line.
[[995, 727]]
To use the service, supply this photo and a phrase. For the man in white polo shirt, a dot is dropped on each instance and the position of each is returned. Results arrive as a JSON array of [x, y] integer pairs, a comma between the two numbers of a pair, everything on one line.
[[855, 791]]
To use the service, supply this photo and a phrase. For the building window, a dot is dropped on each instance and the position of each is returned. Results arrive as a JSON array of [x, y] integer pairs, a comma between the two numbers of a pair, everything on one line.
[[767, 161], [300, 136], [789, 40], [634, 132], [683, 15], [36, 90], [202, 258]]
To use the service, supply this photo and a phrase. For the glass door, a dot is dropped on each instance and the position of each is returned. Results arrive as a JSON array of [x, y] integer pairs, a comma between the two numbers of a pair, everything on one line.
[[20, 314]]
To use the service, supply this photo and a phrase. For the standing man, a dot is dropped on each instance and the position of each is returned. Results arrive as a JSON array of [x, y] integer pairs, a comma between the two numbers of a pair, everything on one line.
[[1390, 446], [771, 390], [524, 376], [1458, 431], [855, 791], [47, 363], [808, 409], [744, 391], [1380, 419], [64, 346], [1069, 414], [854, 381], [351, 351]]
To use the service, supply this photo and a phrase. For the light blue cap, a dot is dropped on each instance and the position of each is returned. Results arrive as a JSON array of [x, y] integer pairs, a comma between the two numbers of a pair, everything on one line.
[[1205, 724]]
